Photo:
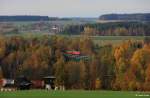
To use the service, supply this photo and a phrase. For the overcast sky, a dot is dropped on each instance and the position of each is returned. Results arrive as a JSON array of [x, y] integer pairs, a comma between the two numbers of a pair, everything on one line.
[[72, 8]]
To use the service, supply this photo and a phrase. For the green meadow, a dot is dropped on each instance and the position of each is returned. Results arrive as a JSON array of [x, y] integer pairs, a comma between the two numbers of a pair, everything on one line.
[[74, 94]]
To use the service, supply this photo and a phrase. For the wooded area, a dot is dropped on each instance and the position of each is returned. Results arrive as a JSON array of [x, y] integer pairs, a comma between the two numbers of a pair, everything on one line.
[[127, 17], [110, 29], [122, 67]]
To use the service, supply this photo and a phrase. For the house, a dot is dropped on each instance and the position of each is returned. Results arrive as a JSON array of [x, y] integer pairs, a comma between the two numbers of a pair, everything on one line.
[[7, 83]]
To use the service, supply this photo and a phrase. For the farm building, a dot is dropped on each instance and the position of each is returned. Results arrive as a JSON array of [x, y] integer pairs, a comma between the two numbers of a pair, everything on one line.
[[75, 56], [7, 83], [49, 82], [23, 83], [37, 84]]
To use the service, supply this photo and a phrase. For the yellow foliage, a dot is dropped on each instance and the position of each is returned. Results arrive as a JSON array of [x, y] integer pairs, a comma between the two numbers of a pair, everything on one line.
[[148, 74], [98, 83], [89, 31]]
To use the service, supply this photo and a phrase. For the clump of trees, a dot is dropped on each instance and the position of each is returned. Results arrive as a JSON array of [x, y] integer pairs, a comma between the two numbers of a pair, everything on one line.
[[110, 29], [122, 67]]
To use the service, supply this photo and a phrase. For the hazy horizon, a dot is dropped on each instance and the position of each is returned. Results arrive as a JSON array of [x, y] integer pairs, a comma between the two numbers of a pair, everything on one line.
[[73, 8]]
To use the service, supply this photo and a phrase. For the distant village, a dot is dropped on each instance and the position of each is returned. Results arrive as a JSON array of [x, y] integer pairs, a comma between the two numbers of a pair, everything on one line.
[[36, 27]]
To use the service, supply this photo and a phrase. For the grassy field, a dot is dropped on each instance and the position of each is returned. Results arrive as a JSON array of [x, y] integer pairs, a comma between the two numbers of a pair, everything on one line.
[[100, 40], [40, 34], [73, 94], [114, 40]]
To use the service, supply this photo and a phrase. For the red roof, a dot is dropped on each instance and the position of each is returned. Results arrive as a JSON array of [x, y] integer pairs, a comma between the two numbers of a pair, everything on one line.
[[73, 52]]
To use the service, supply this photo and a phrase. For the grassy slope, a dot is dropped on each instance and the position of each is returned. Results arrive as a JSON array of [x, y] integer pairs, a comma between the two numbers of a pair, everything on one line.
[[100, 40], [114, 40], [72, 94]]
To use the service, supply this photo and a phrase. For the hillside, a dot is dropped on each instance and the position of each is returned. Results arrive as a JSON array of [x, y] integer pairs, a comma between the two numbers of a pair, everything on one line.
[[126, 17], [23, 18]]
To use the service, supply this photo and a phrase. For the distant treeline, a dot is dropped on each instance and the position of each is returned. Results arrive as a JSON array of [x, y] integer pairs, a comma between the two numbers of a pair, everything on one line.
[[110, 29], [29, 18], [128, 17]]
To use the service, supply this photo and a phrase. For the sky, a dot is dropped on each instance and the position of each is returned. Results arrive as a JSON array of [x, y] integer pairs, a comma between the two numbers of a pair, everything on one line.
[[72, 8]]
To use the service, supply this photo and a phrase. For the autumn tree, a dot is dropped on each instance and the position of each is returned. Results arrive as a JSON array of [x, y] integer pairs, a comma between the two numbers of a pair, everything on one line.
[[90, 31], [59, 72], [140, 66], [1, 73], [147, 79], [122, 55], [105, 69], [38, 63]]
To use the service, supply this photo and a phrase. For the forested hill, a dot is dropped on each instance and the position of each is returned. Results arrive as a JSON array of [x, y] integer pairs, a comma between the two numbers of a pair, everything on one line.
[[134, 17], [24, 18]]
